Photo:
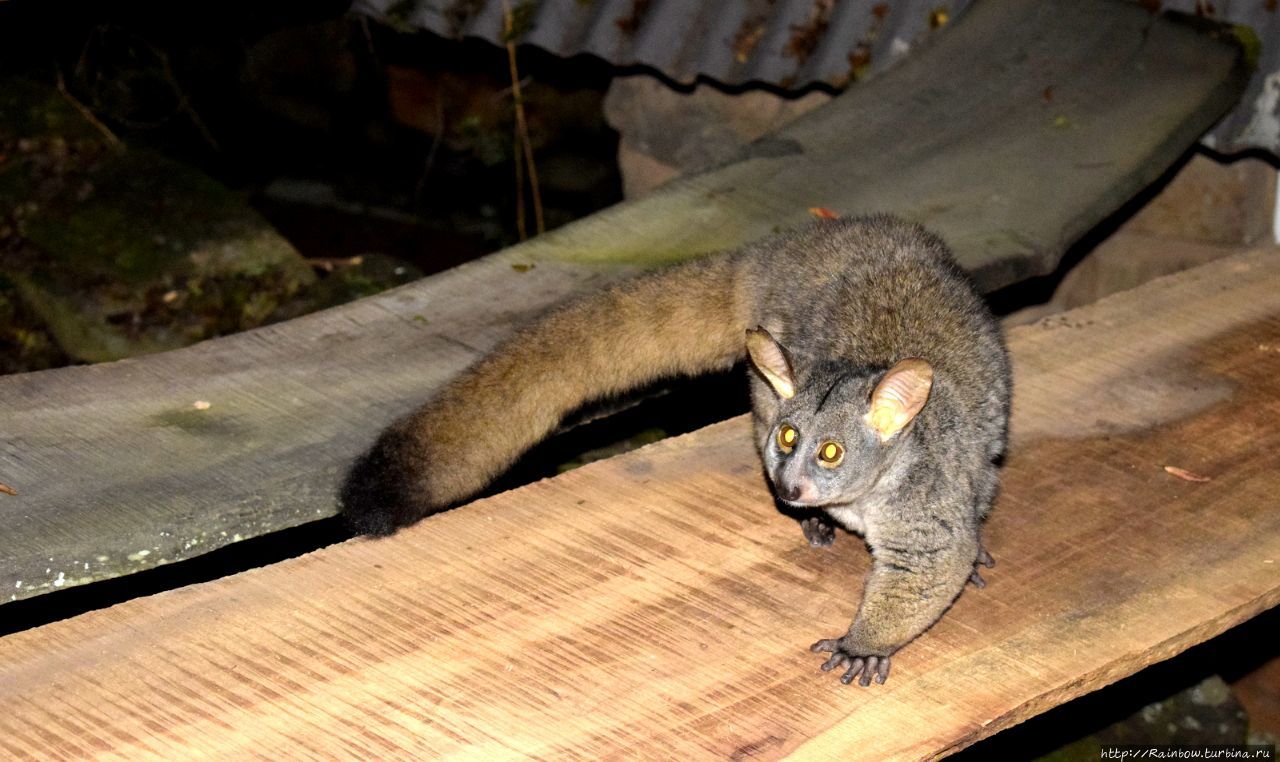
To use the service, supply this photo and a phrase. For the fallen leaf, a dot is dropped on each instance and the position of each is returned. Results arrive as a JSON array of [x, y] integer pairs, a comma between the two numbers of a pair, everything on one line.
[[521, 268], [823, 213], [329, 264], [6, 489], [1047, 95], [200, 404], [1184, 474]]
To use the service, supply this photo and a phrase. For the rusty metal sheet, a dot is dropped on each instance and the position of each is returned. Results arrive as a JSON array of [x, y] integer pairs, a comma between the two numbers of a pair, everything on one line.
[[798, 44], [785, 43]]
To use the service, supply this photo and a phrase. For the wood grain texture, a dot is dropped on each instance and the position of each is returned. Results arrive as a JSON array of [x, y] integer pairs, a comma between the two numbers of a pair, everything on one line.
[[656, 605], [118, 471]]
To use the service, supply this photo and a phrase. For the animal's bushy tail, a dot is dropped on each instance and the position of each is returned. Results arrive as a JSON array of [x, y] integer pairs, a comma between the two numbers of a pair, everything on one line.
[[683, 320]]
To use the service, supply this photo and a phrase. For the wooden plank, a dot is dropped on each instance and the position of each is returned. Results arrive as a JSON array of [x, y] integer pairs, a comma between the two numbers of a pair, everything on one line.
[[118, 471], [656, 605]]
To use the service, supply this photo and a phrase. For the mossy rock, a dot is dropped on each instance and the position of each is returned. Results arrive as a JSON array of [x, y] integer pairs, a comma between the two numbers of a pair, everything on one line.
[[125, 251]]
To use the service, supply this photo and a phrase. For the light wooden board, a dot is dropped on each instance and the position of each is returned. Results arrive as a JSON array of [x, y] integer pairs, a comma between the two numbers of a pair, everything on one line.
[[656, 605], [1012, 134]]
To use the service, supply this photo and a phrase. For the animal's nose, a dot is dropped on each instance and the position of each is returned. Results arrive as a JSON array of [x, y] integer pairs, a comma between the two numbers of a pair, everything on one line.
[[789, 492]]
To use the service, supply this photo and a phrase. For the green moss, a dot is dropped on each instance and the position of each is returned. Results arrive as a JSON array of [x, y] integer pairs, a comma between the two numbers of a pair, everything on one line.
[[130, 252], [646, 437], [658, 228], [99, 238], [635, 256], [142, 216], [1250, 43], [28, 108], [212, 421]]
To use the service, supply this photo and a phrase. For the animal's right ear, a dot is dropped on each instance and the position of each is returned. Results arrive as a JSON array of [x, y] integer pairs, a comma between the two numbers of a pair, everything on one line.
[[900, 396], [770, 358]]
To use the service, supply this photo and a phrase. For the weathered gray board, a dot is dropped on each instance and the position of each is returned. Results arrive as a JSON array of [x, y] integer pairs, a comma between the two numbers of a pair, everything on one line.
[[1012, 135]]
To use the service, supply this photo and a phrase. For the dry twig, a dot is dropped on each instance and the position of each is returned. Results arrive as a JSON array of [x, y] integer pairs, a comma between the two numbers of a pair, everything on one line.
[[329, 264], [524, 146], [110, 136]]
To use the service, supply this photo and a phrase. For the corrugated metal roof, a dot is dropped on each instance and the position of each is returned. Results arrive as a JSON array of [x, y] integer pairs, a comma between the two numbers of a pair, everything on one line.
[[794, 44], [786, 43]]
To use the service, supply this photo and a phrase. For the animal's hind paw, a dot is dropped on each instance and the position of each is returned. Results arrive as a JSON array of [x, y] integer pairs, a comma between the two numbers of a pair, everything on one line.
[[868, 666]]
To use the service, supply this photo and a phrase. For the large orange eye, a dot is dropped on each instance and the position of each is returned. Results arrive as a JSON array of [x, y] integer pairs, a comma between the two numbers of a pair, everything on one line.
[[830, 454], [787, 437]]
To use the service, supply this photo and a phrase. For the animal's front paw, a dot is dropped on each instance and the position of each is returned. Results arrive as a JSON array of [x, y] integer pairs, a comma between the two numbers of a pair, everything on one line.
[[984, 559], [818, 531], [854, 664]]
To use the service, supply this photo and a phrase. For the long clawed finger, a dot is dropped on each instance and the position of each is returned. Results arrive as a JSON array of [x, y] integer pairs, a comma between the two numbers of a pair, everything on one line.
[[882, 670], [872, 668], [829, 645], [856, 667], [836, 660]]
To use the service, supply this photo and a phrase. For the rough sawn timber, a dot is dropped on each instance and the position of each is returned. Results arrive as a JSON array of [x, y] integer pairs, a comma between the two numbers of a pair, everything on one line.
[[1012, 134], [655, 605]]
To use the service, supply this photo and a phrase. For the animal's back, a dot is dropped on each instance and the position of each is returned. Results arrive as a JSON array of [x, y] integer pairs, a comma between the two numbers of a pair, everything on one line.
[[875, 290]]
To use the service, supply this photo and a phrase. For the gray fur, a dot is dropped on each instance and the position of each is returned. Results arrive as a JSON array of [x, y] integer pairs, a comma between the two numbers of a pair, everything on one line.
[[858, 296]]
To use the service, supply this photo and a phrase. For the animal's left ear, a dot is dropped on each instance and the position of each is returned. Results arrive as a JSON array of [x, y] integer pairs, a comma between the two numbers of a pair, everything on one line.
[[771, 360], [899, 396]]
